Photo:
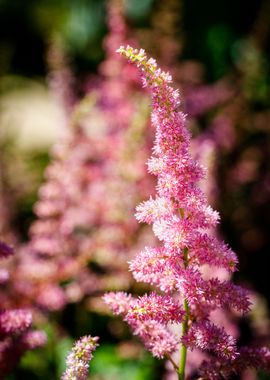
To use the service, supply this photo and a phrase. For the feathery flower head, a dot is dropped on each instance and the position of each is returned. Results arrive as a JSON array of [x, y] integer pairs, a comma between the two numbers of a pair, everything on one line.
[[146, 319], [4, 275], [157, 338], [15, 321], [118, 302], [182, 220], [179, 213], [79, 357], [209, 337], [51, 297], [155, 307], [34, 339]]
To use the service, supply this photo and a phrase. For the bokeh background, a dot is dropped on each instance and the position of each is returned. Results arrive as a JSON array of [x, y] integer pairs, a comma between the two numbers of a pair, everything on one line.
[[218, 52]]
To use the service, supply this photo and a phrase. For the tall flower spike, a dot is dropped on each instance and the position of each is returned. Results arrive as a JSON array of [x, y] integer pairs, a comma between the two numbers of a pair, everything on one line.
[[182, 221], [16, 335], [79, 357]]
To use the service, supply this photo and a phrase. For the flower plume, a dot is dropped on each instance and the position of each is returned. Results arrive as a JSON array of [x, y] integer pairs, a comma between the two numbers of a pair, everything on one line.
[[183, 221], [79, 357]]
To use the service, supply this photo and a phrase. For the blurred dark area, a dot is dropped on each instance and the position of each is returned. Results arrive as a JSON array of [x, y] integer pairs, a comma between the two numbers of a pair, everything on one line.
[[210, 29]]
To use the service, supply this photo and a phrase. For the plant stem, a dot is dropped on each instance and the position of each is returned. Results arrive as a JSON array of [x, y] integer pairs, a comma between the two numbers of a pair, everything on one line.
[[183, 355], [172, 361]]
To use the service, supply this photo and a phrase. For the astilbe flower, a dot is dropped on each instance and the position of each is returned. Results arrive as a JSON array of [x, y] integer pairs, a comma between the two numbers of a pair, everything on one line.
[[60, 78], [5, 250], [201, 99], [77, 225], [61, 238], [248, 357], [115, 87], [16, 336], [79, 357], [182, 220], [147, 320], [14, 321]]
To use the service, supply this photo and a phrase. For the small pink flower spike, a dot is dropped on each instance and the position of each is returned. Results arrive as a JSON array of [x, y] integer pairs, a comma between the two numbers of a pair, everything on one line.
[[78, 358]]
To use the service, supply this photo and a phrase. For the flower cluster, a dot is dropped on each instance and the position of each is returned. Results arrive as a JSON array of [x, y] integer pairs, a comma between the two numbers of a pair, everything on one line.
[[5, 250], [182, 221], [148, 316], [78, 359], [16, 335], [79, 228]]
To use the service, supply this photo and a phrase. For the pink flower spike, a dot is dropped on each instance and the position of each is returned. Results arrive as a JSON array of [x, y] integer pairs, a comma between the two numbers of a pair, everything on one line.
[[34, 339], [15, 321], [154, 209], [156, 338], [208, 250], [209, 337], [183, 222], [79, 357], [153, 267], [118, 302], [160, 308], [256, 357]]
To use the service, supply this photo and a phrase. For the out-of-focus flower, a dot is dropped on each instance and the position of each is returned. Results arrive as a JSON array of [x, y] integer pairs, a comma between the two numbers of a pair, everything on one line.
[[5, 250]]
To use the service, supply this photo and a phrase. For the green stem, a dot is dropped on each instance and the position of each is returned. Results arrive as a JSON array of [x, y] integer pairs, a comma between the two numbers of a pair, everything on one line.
[[183, 355]]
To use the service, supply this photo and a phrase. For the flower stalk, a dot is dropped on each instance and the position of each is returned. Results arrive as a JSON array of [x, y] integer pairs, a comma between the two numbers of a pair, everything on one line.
[[183, 350], [183, 221]]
